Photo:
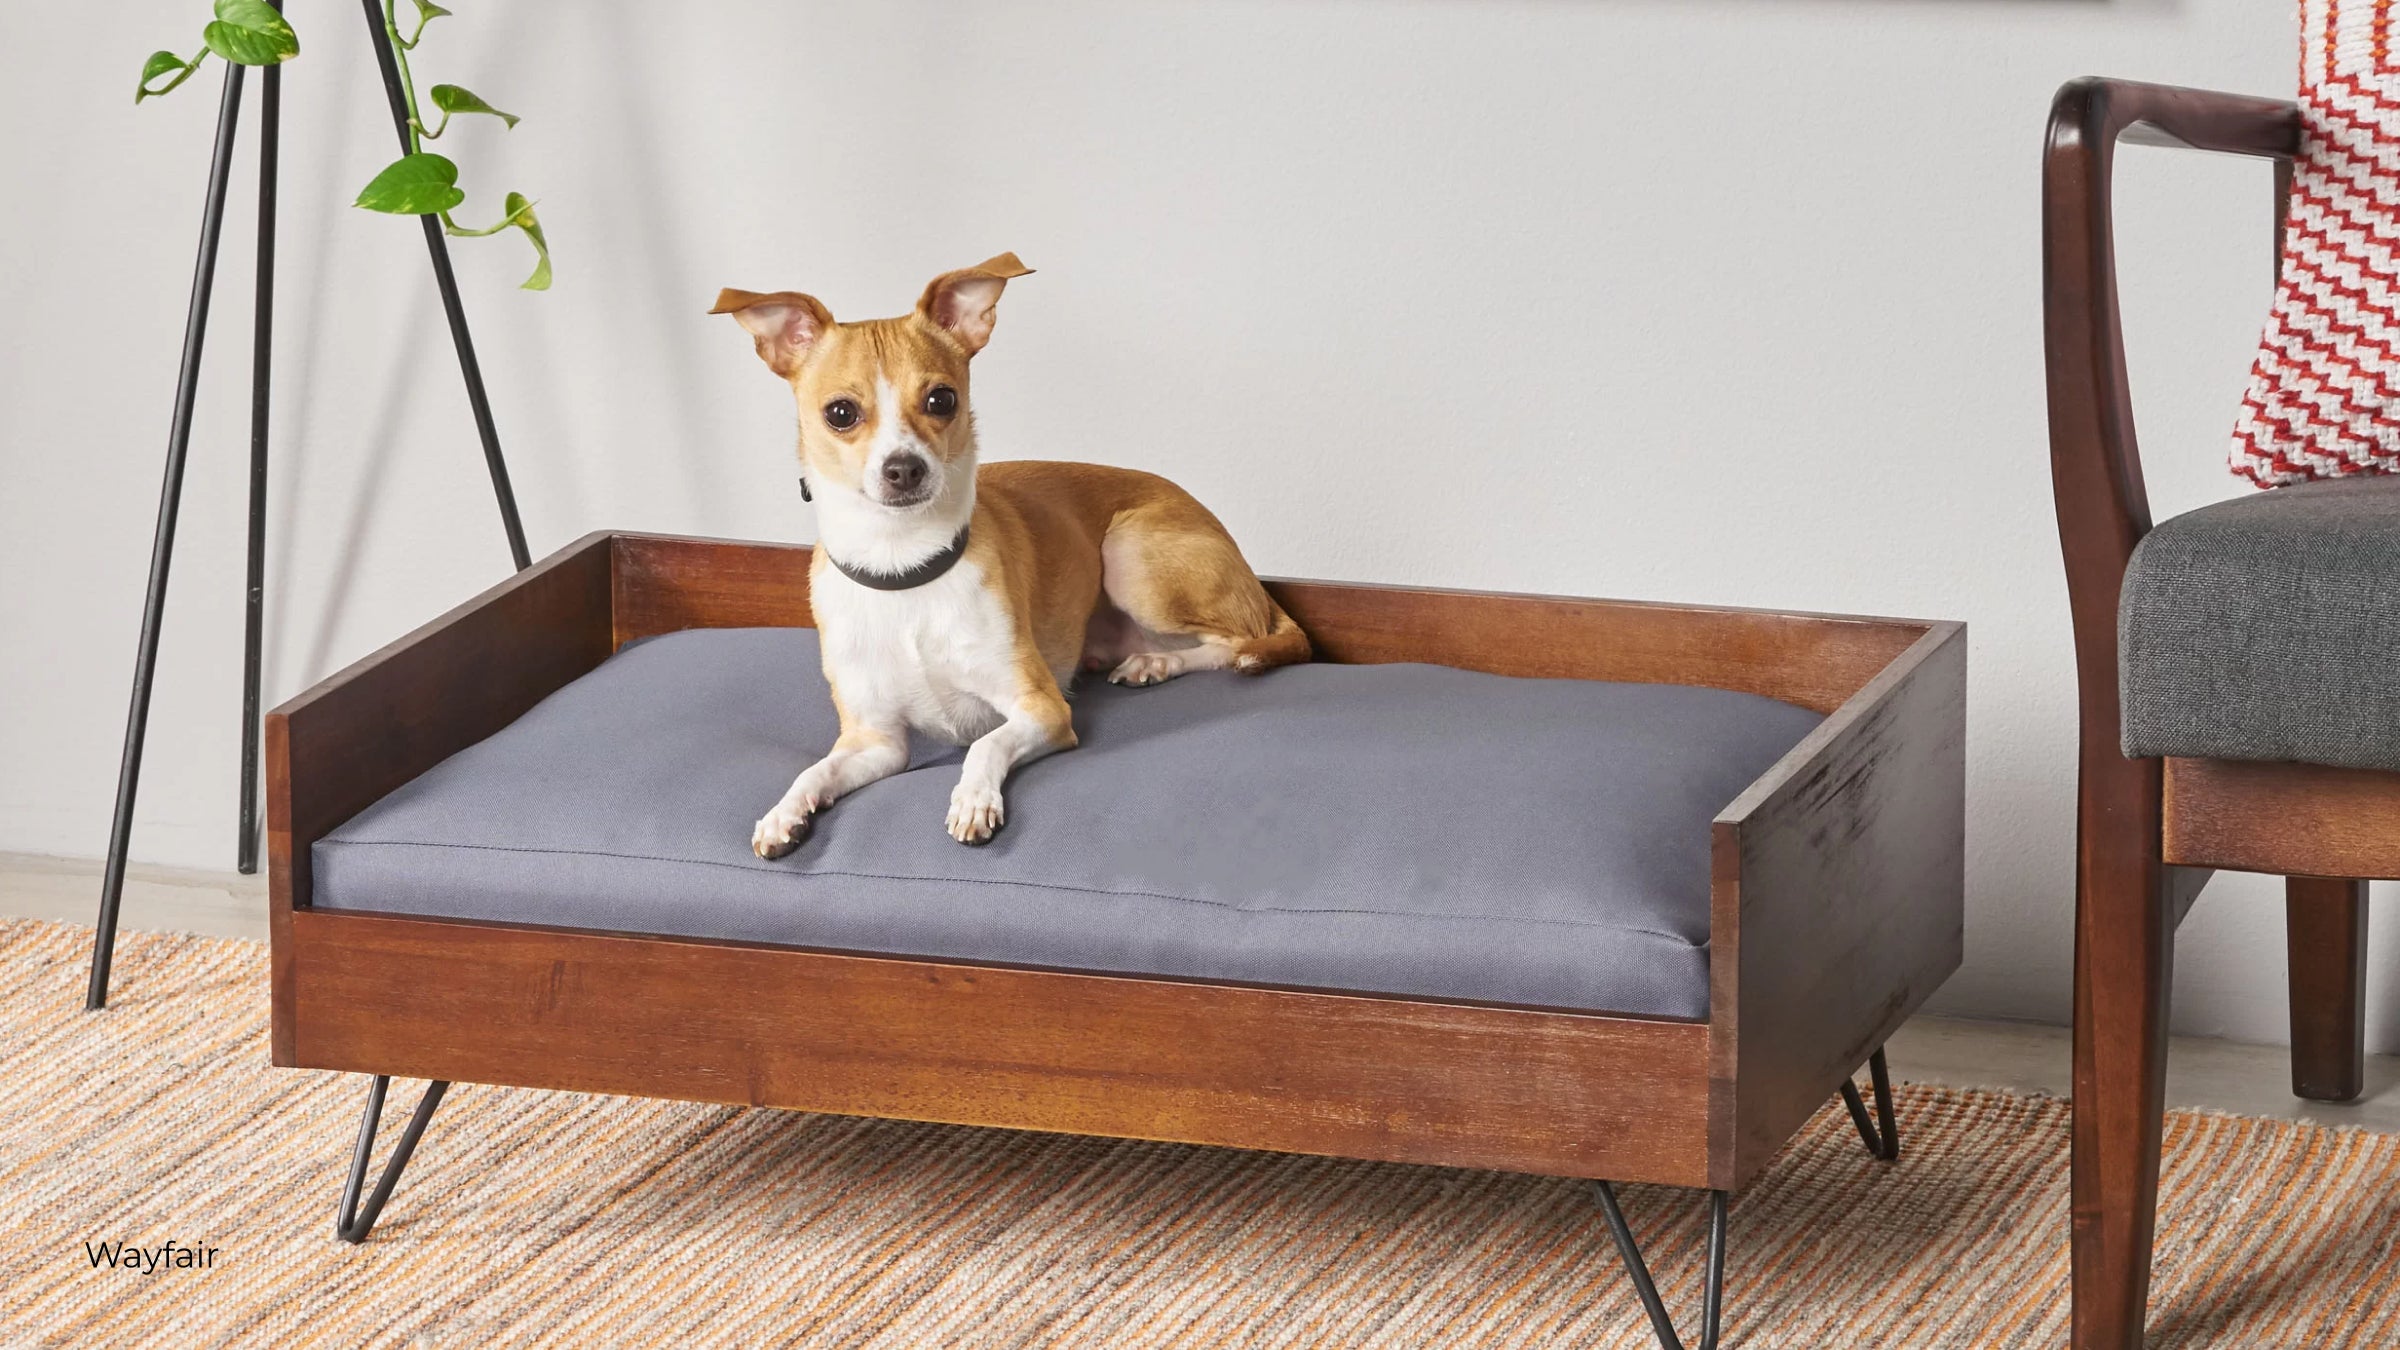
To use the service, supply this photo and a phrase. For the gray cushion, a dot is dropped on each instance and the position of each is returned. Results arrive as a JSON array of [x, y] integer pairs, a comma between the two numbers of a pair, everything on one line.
[[2268, 627], [1401, 828]]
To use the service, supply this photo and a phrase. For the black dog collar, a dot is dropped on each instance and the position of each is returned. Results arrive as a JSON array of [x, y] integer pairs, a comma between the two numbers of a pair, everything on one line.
[[912, 578]]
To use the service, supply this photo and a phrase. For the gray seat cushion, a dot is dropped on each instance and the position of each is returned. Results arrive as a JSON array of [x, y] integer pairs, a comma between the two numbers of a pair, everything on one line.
[[2268, 627], [1404, 829]]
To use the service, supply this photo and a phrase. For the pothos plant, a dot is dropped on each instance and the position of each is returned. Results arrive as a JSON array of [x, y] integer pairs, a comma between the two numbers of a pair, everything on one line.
[[419, 183]]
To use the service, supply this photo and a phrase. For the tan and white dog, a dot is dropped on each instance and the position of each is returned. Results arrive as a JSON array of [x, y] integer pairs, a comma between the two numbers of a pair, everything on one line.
[[962, 601]]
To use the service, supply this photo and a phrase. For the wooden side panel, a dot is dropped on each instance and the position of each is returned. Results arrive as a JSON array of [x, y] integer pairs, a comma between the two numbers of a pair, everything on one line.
[[1353, 1076], [338, 748], [664, 584], [2286, 819], [1840, 900]]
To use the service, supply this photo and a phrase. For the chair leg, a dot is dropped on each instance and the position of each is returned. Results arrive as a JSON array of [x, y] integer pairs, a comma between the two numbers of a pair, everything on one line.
[[2325, 922], [1712, 1298], [1880, 1132], [2124, 960], [351, 1222]]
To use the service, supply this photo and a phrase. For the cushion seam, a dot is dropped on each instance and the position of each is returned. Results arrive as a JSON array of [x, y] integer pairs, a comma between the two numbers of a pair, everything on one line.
[[1031, 885]]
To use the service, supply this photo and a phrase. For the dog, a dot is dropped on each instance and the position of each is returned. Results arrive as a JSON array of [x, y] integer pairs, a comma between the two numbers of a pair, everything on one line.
[[961, 599]]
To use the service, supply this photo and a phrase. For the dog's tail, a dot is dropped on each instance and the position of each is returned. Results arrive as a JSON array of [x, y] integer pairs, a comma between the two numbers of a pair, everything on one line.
[[1283, 645]]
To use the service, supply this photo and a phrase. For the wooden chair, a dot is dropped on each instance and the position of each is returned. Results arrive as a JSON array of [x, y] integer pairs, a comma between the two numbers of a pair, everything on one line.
[[2151, 829]]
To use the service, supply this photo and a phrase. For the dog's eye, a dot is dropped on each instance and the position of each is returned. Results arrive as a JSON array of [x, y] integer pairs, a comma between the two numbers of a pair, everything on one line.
[[941, 401], [841, 414]]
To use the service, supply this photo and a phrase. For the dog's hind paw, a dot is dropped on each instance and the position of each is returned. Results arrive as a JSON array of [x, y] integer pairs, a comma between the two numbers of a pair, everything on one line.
[[779, 832], [976, 814], [1147, 668]]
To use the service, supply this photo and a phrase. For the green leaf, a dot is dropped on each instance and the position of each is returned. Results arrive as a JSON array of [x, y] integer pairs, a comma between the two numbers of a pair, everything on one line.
[[162, 63], [520, 214], [250, 33], [421, 184], [426, 13], [452, 99]]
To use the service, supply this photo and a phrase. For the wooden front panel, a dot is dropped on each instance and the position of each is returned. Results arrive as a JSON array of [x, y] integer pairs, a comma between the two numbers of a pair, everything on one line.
[[1309, 1072], [2286, 819]]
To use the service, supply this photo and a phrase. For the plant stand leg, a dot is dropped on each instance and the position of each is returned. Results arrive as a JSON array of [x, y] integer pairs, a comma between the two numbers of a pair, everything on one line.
[[162, 544], [352, 1222], [455, 310], [1882, 1132], [262, 361], [1712, 1300]]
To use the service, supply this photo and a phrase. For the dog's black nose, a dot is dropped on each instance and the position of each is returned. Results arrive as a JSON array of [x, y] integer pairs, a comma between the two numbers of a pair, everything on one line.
[[904, 473]]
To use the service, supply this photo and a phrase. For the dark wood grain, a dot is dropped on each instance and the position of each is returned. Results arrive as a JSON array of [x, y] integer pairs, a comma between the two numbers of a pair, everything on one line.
[[338, 748], [1839, 900], [2126, 905], [2325, 920], [1853, 834], [666, 583], [1815, 660], [2288, 819], [1309, 1072]]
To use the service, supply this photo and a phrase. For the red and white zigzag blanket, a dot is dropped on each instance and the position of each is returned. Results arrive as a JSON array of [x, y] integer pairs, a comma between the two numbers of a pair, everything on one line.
[[2324, 397]]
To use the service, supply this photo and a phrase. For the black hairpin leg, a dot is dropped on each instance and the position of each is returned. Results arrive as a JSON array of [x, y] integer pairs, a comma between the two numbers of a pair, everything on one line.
[[1712, 1299], [1883, 1142], [351, 1222], [162, 544]]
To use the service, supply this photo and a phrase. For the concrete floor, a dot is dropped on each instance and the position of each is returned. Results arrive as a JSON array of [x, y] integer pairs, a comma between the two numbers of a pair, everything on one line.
[[2252, 1080]]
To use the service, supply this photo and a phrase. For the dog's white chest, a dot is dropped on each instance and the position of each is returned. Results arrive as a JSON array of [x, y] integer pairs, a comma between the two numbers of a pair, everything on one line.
[[940, 656]]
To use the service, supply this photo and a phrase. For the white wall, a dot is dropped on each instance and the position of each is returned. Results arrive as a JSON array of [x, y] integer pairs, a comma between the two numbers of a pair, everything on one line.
[[1710, 300]]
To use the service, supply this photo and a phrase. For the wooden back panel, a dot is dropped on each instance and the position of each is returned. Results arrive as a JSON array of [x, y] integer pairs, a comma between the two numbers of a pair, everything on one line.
[[667, 583], [664, 584]]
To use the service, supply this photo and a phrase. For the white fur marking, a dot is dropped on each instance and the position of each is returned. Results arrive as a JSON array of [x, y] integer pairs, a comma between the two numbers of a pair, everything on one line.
[[941, 657]]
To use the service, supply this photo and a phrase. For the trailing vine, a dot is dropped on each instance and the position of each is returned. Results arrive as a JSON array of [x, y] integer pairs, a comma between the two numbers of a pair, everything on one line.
[[420, 182]]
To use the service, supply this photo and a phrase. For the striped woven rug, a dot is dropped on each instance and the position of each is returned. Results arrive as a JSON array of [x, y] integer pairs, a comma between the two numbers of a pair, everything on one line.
[[543, 1217]]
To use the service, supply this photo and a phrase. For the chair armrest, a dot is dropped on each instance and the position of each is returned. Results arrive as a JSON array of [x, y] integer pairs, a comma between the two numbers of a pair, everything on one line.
[[2096, 112], [2095, 464]]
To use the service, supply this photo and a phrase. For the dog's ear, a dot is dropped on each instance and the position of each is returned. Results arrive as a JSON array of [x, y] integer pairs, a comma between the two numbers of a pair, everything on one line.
[[786, 324], [963, 301]]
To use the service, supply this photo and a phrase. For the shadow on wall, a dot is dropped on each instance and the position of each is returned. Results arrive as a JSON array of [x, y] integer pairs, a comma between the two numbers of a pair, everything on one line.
[[372, 452], [300, 337]]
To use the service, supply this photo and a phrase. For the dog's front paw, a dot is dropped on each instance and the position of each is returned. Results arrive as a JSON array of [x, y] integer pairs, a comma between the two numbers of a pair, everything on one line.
[[976, 813], [779, 831], [1146, 668]]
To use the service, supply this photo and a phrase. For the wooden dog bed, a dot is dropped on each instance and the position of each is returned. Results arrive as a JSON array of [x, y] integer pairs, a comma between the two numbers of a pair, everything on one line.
[[1509, 967]]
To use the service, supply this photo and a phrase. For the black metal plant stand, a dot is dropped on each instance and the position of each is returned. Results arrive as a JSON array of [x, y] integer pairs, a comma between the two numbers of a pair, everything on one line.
[[179, 436], [1883, 1143]]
